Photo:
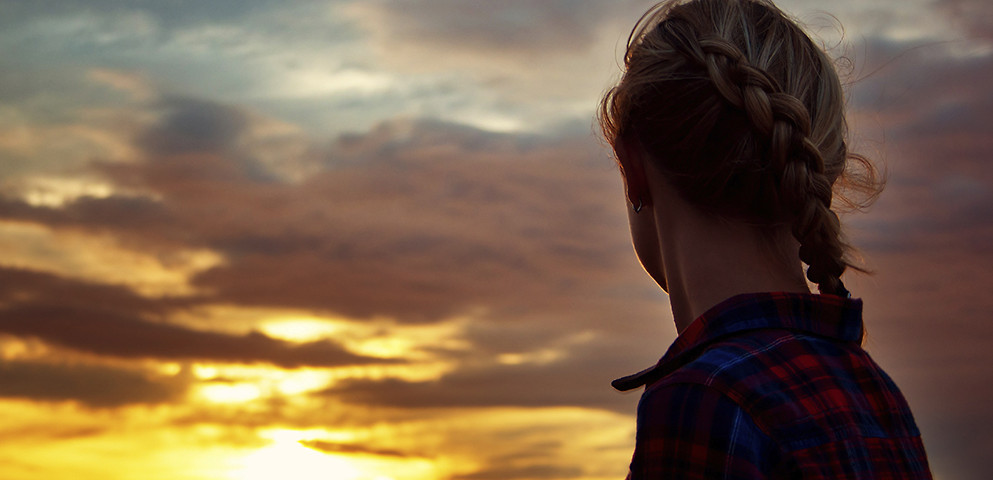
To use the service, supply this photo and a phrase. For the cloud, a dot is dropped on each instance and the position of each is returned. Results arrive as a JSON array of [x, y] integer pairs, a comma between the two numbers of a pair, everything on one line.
[[929, 106], [138, 87], [580, 377], [335, 447], [425, 221], [417, 220], [256, 53], [556, 27], [112, 321], [528, 472], [975, 16], [91, 385], [108, 334], [116, 214], [516, 65], [20, 286], [189, 125], [163, 13]]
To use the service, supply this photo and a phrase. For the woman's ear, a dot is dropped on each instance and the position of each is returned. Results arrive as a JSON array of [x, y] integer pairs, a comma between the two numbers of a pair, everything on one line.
[[632, 158]]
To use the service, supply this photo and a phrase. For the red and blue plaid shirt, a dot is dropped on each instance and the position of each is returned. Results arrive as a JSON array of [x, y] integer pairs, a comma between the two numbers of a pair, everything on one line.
[[773, 385]]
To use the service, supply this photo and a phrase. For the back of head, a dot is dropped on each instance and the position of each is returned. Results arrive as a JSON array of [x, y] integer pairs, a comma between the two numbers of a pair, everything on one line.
[[743, 114]]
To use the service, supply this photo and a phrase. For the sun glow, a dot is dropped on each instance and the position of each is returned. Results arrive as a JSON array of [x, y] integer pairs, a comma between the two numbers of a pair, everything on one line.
[[242, 383], [230, 393], [303, 329], [293, 454], [287, 458]]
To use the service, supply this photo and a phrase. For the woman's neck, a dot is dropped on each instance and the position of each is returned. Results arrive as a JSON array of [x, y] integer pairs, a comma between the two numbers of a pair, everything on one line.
[[708, 260]]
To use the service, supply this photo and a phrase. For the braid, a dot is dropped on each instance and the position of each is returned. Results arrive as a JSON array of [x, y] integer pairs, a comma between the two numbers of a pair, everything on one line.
[[803, 186], [745, 117]]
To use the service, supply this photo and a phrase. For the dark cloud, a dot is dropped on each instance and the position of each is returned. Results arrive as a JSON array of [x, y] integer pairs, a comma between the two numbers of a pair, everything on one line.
[[189, 125], [536, 451], [581, 378], [527, 335], [538, 471], [113, 321], [118, 215], [110, 334], [21, 286], [90, 385], [204, 141], [351, 448]]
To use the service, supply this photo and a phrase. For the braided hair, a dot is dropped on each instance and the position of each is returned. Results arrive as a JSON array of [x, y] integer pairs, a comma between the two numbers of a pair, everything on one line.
[[744, 114]]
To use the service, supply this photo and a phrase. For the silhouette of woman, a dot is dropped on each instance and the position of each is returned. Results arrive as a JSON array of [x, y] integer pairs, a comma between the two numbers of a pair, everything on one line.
[[729, 128]]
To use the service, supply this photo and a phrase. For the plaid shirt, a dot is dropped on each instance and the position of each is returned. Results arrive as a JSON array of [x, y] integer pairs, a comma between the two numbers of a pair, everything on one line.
[[773, 385]]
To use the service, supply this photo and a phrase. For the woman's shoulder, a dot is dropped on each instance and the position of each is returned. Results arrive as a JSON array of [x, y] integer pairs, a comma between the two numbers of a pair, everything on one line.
[[792, 383], [727, 361]]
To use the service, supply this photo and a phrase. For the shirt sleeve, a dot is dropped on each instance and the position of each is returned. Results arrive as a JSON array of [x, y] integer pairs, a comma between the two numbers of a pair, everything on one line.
[[689, 431]]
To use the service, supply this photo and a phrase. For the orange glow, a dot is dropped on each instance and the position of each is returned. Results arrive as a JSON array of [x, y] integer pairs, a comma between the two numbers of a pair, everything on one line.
[[287, 454], [286, 457], [300, 329], [236, 393]]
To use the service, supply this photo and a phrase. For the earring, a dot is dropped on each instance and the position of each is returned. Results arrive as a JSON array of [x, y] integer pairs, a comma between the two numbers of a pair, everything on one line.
[[639, 206]]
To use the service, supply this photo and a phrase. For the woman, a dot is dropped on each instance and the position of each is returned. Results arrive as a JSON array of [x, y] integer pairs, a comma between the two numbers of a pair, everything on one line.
[[729, 128]]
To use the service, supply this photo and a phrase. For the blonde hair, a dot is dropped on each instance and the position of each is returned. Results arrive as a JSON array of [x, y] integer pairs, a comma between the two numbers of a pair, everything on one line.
[[745, 116]]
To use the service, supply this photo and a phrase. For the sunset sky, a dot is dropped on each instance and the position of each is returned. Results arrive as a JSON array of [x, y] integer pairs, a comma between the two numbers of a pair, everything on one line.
[[381, 239]]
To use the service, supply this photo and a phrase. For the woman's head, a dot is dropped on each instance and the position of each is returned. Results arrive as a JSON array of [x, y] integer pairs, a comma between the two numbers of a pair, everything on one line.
[[744, 116]]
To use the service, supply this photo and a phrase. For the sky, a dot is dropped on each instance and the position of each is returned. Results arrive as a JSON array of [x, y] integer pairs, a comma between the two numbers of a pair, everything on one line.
[[382, 240]]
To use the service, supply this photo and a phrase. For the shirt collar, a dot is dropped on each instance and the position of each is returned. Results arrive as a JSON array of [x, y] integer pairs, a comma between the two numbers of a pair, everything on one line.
[[822, 315]]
